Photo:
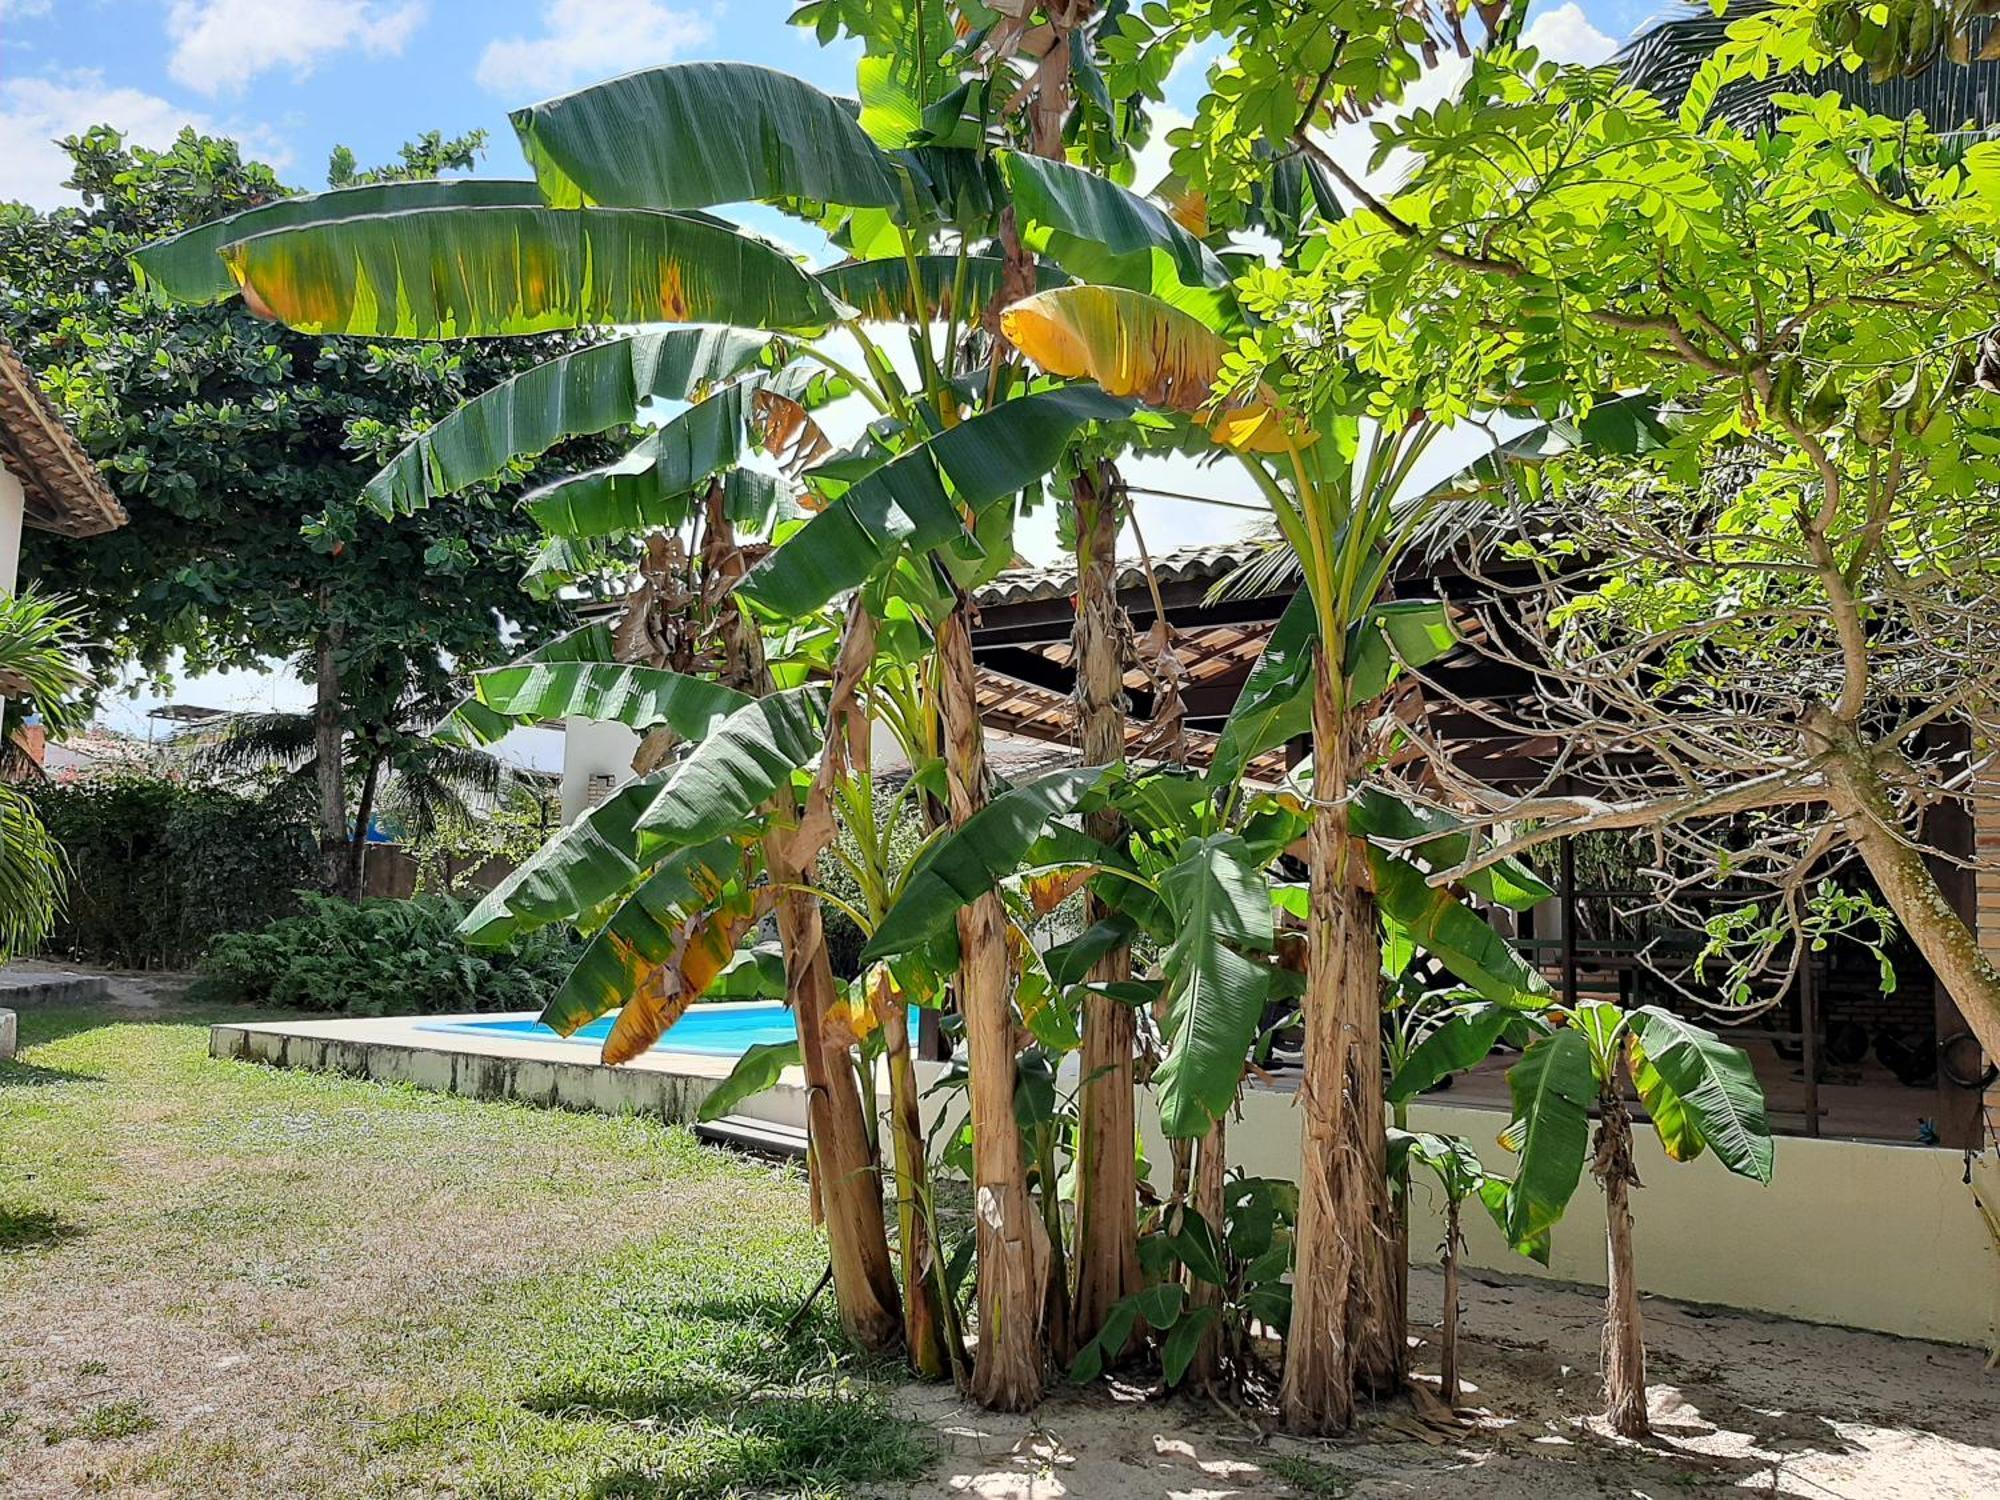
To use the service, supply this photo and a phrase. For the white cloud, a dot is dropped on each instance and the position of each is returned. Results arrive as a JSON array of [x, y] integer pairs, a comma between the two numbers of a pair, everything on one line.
[[585, 40], [37, 112], [23, 8], [220, 45], [1566, 35]]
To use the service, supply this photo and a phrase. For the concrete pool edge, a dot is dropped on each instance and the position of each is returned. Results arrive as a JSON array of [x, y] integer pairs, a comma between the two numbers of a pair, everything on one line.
[[548, 1074]]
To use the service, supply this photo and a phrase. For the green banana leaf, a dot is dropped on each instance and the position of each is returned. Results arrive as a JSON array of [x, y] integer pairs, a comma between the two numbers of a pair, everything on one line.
[[1463, 1041], [1215, 995], [735, 770], [1276, 702], [1399, 633], [1552, 1088], [640, 698], [759, 1068], [1510, 882], [1714, 1084], [1453, 934], [581, 867], [880, 289], [1108, 236], [641, 935], [187, 267], [458, 273], [905, 503], [472, 722], [694, 135], [560, 561], [971, 860], [572, 395], [650, 484]]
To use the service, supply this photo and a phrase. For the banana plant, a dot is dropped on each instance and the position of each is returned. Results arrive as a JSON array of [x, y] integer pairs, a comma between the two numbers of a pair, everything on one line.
[[1700, 1093], [1460, 1177]]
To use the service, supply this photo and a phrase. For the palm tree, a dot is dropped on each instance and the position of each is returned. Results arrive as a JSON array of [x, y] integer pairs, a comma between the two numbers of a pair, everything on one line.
[[1939, 78], [397, 764], [41, 661]]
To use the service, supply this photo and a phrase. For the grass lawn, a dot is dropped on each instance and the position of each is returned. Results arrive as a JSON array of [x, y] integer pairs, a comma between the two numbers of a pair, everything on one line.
[[222, 1280]]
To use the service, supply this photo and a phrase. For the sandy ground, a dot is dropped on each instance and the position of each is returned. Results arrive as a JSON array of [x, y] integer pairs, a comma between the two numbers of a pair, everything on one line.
[[1739, 1404]]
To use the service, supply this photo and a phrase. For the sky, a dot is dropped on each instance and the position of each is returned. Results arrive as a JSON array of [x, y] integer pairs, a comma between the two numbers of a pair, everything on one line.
[[291, 79]]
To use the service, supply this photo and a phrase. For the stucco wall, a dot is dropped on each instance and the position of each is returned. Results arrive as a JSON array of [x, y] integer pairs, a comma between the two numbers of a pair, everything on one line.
[[592, 747], [1847, 1232], [12, 507]]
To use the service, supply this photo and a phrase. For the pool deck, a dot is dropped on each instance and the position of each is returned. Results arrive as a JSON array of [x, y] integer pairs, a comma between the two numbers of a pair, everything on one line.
[[553, 1074]]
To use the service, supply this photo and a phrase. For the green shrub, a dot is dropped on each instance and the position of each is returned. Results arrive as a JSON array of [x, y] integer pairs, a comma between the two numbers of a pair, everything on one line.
[[161, 865], [382, 958]]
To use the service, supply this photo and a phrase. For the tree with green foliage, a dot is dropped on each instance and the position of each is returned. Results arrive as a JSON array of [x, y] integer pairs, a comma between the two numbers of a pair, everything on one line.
[[240, 450]]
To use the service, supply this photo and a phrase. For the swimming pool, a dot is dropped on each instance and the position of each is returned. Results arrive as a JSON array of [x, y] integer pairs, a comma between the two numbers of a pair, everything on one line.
[[721, 1030]]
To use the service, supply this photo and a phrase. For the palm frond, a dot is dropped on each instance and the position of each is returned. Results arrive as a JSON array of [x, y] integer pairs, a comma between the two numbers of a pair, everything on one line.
[[31, 875], [41, 656], [242, 742], [437, 784]]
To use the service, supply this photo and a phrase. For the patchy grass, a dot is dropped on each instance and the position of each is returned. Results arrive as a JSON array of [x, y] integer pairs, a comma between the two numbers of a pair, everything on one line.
[[223, 1280], [1307, 1477]]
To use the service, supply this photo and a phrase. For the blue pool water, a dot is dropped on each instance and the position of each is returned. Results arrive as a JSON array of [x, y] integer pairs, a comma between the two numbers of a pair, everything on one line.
[[715, 1030]]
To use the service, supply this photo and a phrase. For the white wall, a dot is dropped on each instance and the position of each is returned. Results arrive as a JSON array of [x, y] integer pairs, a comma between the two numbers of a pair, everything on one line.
[[12, 507], [593, 748]]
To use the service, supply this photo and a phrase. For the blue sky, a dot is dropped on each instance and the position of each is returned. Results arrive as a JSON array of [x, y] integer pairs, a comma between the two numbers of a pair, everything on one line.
[[293, 78]]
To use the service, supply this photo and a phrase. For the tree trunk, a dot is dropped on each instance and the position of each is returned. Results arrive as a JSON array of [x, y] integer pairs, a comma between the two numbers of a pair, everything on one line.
[[1211, 1166], [1012, 1244], [1624, 1338], [1343, 1328], [1858, 792], [1107, 1186], [328, 769], [847, 1184], [1448, 1335], [364, 814], [928, 1338]]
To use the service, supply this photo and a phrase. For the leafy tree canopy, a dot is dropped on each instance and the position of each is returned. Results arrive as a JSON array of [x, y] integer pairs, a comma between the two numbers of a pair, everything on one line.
[[240, 448]]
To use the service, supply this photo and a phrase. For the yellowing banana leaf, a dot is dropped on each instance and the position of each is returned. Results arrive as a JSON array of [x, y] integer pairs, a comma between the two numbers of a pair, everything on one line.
[[880, 289], [187, 267], [704, 949], [573, 395], [905, 503], [1215, 994], [640, 698], [475, 272], [472, 722], [1672, 1121], [1103, 234], [693, 135], [1715, 1085], [1133, 344], [643, 935]]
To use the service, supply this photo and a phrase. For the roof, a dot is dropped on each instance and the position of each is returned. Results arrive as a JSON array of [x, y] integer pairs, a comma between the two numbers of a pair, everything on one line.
[[1183, 565], [64, 491]]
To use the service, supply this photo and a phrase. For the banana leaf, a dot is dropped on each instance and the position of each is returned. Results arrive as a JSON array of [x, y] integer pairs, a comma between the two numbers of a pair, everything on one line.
[[1399, 633], [572, 395], [759, 1068], [735, 770], [581, 867], [642, 934], [187, 267], [880, 289], [472, 722], [649, 485], [1215, 995], [1715, 1085], [1106, 235], [970, 860], [640, 698], [1552, 1088], [1453, 934], [459, 273], [1463, 1040], [1276, 702], [905, 503], [1509, 882], [694, 135]]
